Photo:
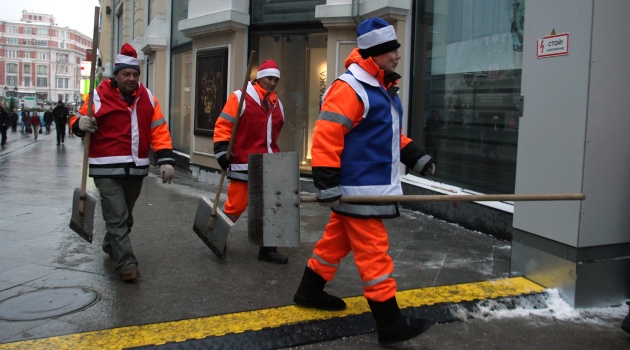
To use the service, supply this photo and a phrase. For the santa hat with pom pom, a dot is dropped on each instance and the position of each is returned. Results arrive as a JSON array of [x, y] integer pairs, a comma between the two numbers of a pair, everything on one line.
[[127, 58], [268, 68]]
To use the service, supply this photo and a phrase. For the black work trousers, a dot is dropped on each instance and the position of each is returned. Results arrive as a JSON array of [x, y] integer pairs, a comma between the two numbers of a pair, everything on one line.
[[61, 132]]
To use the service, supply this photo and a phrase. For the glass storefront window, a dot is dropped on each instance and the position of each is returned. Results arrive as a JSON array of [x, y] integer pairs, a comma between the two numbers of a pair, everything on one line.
[[180, 12], [283, 11], [468, 57], [180, 109], [301, 58]]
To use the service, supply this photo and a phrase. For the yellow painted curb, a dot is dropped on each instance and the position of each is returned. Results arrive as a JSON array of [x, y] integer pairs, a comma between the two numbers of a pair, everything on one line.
[[199, 328]]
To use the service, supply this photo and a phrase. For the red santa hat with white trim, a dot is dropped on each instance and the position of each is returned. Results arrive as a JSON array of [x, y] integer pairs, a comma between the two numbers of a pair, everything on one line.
[[268, 68], [127, 58]]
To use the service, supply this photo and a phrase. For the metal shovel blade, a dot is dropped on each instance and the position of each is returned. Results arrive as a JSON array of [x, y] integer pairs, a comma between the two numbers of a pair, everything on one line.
[[83, 223], [214, 235], [273, 217]]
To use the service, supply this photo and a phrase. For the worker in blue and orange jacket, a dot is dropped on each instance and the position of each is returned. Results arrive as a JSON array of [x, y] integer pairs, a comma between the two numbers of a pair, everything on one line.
[[357, 147], [126, 122], [258, 128]]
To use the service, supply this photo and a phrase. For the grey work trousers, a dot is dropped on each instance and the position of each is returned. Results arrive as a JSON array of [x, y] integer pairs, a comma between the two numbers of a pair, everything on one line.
[[118, 196]]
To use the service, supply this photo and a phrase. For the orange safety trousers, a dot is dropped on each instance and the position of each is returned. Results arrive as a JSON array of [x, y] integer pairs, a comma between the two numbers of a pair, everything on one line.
[[367, 239], [237, 199]]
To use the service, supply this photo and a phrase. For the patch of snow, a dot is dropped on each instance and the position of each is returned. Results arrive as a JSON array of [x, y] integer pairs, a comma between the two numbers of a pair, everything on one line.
[[556, 308]]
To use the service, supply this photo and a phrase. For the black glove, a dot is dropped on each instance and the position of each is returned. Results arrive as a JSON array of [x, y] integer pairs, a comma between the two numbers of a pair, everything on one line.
[[429, 170], [223, 162]]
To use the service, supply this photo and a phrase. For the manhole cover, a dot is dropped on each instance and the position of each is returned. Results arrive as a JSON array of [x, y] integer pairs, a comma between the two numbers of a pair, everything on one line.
[[46, 303]]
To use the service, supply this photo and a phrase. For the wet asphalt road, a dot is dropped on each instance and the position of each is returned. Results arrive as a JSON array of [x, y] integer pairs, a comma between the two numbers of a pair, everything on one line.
[[182, 279]]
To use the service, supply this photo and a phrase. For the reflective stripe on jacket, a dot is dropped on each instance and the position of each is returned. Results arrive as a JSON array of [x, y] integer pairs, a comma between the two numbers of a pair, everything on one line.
[[357, 140], [257, 131], [125, 133]]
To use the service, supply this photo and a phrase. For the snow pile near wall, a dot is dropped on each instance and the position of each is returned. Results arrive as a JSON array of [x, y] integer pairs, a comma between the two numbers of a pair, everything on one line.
[[548, 304]]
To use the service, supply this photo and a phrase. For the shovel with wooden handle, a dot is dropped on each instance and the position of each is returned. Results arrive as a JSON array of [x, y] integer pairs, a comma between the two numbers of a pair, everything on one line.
[[456, 198], [84, 204], [274, 199], [211, 224]]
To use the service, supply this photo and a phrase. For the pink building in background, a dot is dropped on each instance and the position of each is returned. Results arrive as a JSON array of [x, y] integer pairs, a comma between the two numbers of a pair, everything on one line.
[[42, 59]]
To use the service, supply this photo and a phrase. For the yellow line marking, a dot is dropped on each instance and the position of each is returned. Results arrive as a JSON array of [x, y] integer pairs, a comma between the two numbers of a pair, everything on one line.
[[199, 328]]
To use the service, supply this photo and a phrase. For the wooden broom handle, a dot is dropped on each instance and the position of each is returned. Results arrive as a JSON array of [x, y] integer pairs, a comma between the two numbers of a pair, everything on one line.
[[86, 139], [457, 198], [228, 155]]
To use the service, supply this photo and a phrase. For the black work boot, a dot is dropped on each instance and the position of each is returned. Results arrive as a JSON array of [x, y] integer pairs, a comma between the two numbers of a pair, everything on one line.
[[270, 254], [311, 293], [392, 326], [625, 325]]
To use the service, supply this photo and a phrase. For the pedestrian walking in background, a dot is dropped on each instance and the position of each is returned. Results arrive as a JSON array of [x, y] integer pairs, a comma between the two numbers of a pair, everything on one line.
[[259, 126], [35, 123], [127, 121], [60, 117], [71, 115], [357, 146], [5, 121], [42, 123], [26, 117], [48, 119], [15, 118]]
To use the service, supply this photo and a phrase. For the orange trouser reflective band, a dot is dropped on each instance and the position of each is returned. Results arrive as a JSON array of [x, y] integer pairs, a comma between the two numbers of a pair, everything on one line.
[[367, 239], [237, 199]]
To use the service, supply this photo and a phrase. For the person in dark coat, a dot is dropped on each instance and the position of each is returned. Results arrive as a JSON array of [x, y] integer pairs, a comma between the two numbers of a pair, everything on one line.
[[60, 116], [4, 125], [26, 125], [48, 118], [15, 118]]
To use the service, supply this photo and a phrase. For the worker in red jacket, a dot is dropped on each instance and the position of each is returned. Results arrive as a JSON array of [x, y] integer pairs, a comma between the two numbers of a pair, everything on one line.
[[126, 122], [261, 119], [358, 145]]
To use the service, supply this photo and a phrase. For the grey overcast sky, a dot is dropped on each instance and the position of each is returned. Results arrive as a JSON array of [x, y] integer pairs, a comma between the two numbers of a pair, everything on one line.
[[76, 14]]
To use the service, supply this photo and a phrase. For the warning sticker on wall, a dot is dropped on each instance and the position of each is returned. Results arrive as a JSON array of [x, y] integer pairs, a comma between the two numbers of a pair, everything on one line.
[[553, 45]]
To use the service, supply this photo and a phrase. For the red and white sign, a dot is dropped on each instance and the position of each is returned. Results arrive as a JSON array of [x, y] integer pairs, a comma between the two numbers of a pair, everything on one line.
[[86, 67], [553, 45]]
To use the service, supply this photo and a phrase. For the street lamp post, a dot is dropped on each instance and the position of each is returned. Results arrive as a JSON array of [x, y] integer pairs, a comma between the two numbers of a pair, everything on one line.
[[11, 94]]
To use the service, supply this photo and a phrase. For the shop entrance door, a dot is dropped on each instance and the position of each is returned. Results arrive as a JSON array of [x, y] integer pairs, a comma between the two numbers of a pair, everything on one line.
[[301, 58]]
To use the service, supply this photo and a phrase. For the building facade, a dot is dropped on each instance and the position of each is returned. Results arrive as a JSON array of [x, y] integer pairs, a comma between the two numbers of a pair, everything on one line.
[[465, 109], [40, 62], [499, 110]]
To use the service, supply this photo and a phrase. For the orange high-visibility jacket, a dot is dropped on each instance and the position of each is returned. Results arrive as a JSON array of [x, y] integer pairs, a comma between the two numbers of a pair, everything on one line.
[[358, 141], [258, 128]]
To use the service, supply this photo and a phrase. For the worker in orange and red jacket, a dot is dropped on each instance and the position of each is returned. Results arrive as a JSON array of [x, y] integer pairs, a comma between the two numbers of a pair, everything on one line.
[[357, 147], [127, 121], [261, 119]]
